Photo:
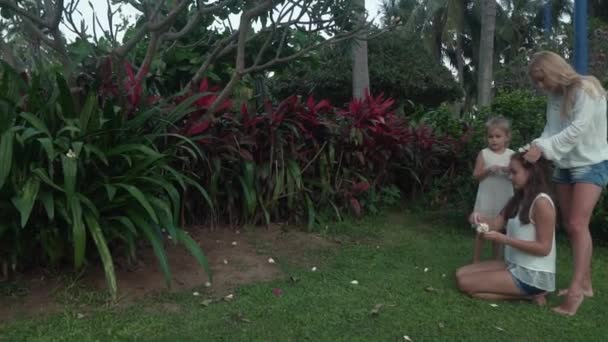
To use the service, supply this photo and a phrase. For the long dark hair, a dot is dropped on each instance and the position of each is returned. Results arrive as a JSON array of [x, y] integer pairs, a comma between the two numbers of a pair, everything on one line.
[[539, 181]]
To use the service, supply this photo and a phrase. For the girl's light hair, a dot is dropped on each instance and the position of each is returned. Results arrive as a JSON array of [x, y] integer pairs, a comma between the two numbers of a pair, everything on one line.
[[499, 122], [555, 69]]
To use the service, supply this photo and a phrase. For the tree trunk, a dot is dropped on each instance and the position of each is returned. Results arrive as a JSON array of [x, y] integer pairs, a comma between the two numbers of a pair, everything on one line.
[[359, 57], [486, 52]]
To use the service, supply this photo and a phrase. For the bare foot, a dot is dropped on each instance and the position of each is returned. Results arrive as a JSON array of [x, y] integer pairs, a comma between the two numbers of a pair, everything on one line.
[[570, 306], [540, 299], [587, 293]]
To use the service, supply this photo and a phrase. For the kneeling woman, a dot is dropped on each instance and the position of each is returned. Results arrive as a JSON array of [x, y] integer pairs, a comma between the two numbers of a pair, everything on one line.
[[528, 271]]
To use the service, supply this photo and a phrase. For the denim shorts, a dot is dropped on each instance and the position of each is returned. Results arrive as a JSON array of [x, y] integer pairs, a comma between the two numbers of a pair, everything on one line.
[[593, 174], [526, 289]]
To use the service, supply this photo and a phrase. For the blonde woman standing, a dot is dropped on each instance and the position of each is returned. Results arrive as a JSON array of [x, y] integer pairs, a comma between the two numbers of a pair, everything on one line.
[[575, 139]]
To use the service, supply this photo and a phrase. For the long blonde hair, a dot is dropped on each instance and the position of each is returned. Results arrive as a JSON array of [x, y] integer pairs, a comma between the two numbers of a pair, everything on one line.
[[555, 69]]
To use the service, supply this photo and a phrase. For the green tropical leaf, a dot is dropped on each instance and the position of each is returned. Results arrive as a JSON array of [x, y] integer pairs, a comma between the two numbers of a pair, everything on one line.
[[141, 198], [166, 217], [6, 155], [25, 199], [70, 167], [41, 173], [66, 100], [46, 197], [171, 192], [155, 241], [104, 252], [79, 237], [36, 123], [47, 145], [195, 250]]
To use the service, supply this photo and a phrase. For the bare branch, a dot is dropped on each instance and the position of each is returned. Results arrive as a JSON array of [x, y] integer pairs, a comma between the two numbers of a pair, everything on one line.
[[281, 43], [194, 19], [190, 25], [217, 52], [155, 41], [264, 47], [244, 27], [110, 16], [22, 12], [156, 27], [333, 40]]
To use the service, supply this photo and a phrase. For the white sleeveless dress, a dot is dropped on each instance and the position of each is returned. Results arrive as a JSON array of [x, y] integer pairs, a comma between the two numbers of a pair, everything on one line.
[[494, 191], [534, 270]]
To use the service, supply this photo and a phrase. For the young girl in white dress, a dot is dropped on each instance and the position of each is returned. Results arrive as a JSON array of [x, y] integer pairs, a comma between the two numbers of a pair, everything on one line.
[[492, 170]]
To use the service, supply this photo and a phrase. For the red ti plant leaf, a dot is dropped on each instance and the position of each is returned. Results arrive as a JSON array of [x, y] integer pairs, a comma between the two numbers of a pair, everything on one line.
[[198, 128], [359, 188]]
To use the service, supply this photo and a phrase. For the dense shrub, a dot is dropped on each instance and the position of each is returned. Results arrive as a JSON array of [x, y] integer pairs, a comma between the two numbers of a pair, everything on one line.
[[400, 67], [80, 181], [308, 161]]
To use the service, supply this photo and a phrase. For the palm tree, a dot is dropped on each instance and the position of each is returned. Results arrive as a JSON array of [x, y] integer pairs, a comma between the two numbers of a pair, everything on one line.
[[360, 68], [486, 52]]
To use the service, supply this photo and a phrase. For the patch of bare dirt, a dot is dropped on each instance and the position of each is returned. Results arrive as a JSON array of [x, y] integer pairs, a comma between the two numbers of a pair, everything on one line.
[[235, 258]]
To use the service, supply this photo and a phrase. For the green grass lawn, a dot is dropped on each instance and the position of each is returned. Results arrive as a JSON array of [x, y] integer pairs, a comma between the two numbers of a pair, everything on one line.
[[388, 256]]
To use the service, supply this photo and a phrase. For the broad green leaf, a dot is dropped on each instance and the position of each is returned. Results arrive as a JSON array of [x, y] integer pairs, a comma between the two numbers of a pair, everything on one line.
[[141, 198], [294, 171], [47, 145], [132, 148], [171, 192], [6, 155], [91, 149], [70, 129], [155, 241], [195, 250], [66, 101], [200, 189], [166, 217], [125, 221], [46, 197], [87, 111], [88, 203], [25, 199], [70, 168], [36, 123], [111, 190], [27, 134], [79, 237], [176, 175], [41, 173], [104, 252]]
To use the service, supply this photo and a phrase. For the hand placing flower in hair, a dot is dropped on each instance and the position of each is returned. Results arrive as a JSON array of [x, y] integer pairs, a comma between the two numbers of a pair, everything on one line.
[[533, 154]]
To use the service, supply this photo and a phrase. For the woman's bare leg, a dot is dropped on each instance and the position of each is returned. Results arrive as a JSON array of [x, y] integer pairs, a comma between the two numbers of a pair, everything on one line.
[[584, 198], [564, 199]]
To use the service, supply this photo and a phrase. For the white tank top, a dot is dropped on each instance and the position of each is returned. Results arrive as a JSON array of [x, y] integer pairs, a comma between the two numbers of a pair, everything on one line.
[[538, 271]]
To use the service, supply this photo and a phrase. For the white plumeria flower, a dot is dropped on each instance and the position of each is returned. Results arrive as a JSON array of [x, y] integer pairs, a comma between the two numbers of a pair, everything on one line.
[[426, 269], [234, 243], [314, 269], [407, 338], [71, 154], [208, 284], [483, 228], [196, 294], [270, 260], [354, 282]]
